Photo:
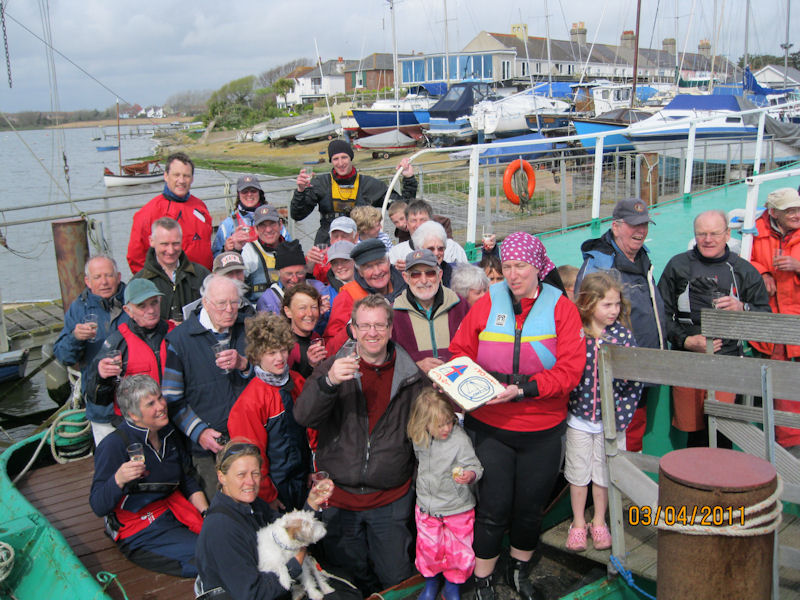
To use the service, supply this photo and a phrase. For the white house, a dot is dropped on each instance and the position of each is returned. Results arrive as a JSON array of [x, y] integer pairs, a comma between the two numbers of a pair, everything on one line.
[[772, 76], [316, 84]]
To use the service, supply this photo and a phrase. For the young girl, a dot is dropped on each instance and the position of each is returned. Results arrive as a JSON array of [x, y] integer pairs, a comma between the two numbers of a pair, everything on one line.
[[602, 307], [445, 512], [263, 413]]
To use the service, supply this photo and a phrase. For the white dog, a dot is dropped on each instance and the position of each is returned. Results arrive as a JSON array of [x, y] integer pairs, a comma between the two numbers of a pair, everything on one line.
[[280, 541]]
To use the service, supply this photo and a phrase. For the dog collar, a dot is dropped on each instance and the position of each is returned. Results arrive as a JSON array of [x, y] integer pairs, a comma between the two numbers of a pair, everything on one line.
[[280, 543]]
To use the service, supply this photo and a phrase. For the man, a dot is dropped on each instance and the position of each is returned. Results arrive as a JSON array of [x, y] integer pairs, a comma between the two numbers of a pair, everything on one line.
[[707, 276], [176, 202], [417, 213], [776, 255], [290, 264], [88, 321], [238, 229], [140, 342], [202, 380], [168, 267], [341, 229], [259, 255], [337, 192], [374, 275], [426, 314], [230, 265], [363, 445], [622, 249]]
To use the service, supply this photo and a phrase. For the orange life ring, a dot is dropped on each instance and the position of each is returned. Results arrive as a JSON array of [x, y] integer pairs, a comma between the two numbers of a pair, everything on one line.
[[508, 176]]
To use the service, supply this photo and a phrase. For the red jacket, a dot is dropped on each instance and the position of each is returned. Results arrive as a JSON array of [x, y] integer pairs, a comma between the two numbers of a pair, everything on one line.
[[195, 222], [336, 332], [549, 408], [787, 298]]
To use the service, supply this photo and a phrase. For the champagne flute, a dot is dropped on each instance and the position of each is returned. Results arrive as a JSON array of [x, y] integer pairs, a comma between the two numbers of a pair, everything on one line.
[[116, 358], [351, 349], [319, 478]]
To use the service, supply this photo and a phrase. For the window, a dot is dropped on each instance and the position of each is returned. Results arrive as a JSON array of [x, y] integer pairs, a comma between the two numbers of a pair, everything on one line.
[[506, 67], [525, 68], [570, 69], [407, 71], [487, 66], [360, 76], [419, 70], [435, 68], [538, 67], [557, 67], [454, 72]]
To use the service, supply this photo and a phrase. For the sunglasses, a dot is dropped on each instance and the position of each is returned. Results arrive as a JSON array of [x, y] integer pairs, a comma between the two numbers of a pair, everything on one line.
[[415, 275], [240, 448]]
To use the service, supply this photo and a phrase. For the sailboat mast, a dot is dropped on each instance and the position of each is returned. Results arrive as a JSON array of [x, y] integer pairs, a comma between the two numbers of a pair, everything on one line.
[[549, 65], [119, 145], [746, 32], [394, 50], [446, 49], [636, 51], [785, 46]]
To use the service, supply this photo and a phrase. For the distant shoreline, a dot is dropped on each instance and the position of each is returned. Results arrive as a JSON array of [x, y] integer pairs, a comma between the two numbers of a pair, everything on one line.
[[113, 122]]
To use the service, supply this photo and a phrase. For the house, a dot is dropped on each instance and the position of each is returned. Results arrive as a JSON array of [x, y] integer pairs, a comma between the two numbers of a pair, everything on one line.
[[375, 72], [505, 57], [317, 83], [154, 112], [291, 98], [772, 76]]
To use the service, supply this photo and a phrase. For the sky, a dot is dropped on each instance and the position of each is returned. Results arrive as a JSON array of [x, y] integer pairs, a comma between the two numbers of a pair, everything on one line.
[[144, 51]]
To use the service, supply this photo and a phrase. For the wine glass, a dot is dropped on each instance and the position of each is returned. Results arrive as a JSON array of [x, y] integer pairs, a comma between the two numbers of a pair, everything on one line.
[[350, 348], [321, 480], [218, 349]]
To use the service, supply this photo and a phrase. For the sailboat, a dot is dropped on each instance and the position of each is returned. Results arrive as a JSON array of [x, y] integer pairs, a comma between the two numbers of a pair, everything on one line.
[[146, 171]]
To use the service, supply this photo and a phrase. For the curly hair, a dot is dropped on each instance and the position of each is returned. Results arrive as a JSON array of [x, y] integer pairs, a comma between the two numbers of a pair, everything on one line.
[[267, 332], [594, 287], [300, 288], [429, 410], [366, 217]]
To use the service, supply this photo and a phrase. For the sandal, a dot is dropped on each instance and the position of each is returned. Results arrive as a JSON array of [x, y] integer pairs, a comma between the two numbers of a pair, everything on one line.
[[576, 539], [601, 537]]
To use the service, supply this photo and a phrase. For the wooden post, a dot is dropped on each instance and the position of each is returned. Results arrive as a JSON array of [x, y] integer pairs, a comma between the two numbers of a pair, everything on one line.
[[72, 252], [648, 178]]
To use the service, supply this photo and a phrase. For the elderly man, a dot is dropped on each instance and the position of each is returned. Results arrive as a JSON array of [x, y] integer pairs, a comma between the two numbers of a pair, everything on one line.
[[707, 276], [622, 249], [168, 267], [776, 255], [94, 314], [290, 263], [230, 265], [374, 275], [176, 202], [259, 255], [206, 371], [417, 213], [426, 314], [337, 192], [137, 346], [362, 442]]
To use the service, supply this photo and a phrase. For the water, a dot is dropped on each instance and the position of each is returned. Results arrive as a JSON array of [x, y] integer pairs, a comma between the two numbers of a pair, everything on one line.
[[30, 272]]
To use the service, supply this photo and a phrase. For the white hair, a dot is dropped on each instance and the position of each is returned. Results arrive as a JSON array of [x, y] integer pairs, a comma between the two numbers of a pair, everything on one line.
[[426, 231], [468, 277]]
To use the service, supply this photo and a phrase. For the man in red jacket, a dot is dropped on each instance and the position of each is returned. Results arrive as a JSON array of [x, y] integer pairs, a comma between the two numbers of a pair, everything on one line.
[[176, 202]]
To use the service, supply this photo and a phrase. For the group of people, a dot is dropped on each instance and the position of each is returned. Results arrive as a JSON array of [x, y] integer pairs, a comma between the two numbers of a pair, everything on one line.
[[229, 370]]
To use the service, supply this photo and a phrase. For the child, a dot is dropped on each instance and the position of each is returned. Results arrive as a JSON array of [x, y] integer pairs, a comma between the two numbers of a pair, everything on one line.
[[568, 275], [602, 307], [263, 413], [492, 267], [368, 221], [397, 213], [445, 511]]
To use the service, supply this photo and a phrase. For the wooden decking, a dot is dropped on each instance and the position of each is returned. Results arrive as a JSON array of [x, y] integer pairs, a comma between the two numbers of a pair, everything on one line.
[[61, 494], [34, 323], [641, 542]]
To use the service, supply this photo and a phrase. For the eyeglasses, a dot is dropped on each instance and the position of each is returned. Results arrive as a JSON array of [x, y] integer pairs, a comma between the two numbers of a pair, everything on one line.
[[429, 274], [435, 249], [226, 304], [365, 327], [710, 234], [239, 448]]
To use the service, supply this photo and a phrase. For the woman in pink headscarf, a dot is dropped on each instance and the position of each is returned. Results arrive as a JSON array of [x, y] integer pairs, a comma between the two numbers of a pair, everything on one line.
[[529, 336]]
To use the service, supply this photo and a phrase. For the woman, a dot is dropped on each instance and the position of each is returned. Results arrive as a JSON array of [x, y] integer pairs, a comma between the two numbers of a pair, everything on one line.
[[144, 502], [470, 282], [227, 550], [342, 268], [528, 335], [301, 305], [431, 236]]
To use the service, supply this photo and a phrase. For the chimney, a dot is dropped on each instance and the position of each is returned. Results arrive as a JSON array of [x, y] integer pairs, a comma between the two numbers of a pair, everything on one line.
[[577, 34], [669, 45], [704, 48], [627, 39], [520, 31], [340, 66]]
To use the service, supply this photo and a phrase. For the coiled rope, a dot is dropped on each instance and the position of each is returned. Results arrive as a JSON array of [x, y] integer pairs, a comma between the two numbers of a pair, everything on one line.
[[6, 560], [106, 578], [627, 576]]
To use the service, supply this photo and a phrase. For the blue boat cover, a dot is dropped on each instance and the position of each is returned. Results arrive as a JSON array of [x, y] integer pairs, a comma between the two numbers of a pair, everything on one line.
[[459, 100], [645, 92], [750, 84], [692, 102], [493, 156], [559, 89]]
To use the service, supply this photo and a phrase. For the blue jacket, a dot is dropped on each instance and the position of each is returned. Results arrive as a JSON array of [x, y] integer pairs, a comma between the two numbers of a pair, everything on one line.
[[71, 351], [227, 550], [200, 394], [647, 308], [171, 465]]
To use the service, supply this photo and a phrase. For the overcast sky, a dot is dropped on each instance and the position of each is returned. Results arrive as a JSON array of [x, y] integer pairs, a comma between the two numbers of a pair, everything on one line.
[[146, 51]]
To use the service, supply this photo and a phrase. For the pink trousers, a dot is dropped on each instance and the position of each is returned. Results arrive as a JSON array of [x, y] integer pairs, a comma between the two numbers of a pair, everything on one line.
[[444, 545]]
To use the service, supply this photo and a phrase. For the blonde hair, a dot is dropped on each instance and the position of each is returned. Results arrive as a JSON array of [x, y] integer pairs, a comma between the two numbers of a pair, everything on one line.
[[429, 408], [366, 217], [594, 288], [267, 332], [396, 207]]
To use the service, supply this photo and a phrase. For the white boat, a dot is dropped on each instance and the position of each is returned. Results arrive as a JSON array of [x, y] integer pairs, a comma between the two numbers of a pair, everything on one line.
[[506, 116], [326, 130], [298, 128], [130, 176]]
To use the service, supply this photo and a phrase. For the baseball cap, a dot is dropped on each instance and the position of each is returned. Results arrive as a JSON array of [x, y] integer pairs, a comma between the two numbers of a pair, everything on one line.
[[247, 181], [367, 251], [345, 224], [340, 249], [225, 262], [138, 290], [633, 211], [421, 257], [266, 212], [783, 198]]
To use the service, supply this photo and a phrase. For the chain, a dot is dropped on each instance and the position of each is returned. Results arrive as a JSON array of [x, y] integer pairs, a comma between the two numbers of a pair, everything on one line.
[[5, 40]]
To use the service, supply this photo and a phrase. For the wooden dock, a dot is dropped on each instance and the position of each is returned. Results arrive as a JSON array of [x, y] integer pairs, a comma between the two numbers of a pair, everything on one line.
[[61, 494], [641, 544], [31, 324]]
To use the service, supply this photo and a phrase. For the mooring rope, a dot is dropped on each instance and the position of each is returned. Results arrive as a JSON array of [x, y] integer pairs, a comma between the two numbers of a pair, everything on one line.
[[627, 576], [106, 578], [6, 560]]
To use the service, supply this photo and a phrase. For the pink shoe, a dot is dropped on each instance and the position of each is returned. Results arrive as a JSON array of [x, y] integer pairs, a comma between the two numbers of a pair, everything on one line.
[[576, 539], [601, 537]]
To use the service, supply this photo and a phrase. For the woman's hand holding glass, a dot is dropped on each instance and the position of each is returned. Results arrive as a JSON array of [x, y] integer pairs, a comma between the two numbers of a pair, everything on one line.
[[316, 352]]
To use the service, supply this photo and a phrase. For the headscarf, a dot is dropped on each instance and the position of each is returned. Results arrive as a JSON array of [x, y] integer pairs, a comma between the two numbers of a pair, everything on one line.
[[526, 248]]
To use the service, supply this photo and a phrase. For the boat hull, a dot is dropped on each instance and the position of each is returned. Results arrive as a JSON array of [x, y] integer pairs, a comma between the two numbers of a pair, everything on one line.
[[293, 130], [126, 180], [374, 122], [716, 146], [107, 148], [611, 142], [13, 364]]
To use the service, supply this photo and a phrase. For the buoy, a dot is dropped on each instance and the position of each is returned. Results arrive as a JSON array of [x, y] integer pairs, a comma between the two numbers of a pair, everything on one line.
[[508, 176]]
